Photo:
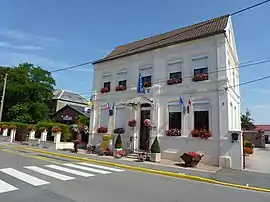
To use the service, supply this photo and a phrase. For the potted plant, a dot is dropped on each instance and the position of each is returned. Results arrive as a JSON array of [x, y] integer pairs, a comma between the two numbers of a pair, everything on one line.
[[118, 147], [173, 132], [13, 127], [155, 155], [119, 131], [30, 128], [146, 85], [201, 133], [132, 123], [104, 90], [56, 129], [120, 88], [191, 159], [200, 77], [102, 130], [4, 126], [174, 81]]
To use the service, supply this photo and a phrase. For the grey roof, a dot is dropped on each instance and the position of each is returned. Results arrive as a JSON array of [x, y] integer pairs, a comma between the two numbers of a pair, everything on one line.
[[79, 109], [69, 96]]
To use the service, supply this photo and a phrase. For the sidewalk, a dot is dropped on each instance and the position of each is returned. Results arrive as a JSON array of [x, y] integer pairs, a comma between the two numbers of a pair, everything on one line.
[[246, 178]]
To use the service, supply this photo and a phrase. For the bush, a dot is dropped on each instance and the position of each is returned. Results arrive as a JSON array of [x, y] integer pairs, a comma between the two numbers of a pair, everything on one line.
[[248, 144], [155, 148], [65, 129], [21, 128], [118, 142]]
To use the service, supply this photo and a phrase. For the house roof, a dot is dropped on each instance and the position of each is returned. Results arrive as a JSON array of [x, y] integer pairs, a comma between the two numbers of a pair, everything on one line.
[[263, 127], [69, 96], [200, 30]]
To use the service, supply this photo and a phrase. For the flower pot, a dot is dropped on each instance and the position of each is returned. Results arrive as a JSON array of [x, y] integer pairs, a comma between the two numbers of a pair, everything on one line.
[[115, 153], [191, 161], [155, 157]]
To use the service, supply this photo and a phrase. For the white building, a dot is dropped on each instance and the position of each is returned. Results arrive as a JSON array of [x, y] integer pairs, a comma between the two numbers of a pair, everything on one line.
[[204, 48]]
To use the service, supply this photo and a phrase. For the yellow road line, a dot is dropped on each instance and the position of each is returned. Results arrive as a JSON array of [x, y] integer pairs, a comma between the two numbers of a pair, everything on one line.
[[35, 157], [147, 170]]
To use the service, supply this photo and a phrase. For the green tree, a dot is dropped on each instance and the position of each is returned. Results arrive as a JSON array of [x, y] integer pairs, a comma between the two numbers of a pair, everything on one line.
[[155, 148], [247, 121], [28, 93], [118, 142], [82, 120]]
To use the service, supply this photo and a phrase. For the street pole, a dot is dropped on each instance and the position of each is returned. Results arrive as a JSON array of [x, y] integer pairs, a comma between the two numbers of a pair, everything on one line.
[[3, 97]]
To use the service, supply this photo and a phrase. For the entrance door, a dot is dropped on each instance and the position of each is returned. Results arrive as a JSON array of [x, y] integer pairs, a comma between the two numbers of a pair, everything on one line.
[[144, 131]]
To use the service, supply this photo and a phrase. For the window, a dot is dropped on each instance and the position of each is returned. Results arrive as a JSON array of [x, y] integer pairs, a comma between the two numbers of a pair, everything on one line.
[[176, 75], [104, 117], [174, 120], [122, 83], [146, 79], [120, 117], [107, 84], [200, 66], [146, 76], [201, 120], [175, 117]]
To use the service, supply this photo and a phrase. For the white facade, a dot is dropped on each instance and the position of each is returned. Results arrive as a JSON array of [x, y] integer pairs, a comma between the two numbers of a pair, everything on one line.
[[216, 53]]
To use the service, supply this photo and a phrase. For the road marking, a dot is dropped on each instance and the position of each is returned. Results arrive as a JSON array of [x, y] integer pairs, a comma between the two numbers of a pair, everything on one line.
[[102, 167], [75, 172], [5, 187], [24, 177], [87, 168], [49, 173], [30, 156]]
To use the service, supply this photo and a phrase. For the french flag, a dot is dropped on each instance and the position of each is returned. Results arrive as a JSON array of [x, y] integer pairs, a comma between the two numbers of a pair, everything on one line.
[[189, 105]]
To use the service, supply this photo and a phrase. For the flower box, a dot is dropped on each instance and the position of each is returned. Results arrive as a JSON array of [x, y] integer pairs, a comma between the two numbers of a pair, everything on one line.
[[119, 131], [146, 85], [104, 90], [132, 123], [173, 132], [201, 133], [102, 130], [191, 159], [174, 81], [200, 77], [120, 88]]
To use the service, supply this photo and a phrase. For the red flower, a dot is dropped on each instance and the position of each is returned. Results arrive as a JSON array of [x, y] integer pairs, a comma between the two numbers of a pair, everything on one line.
[[120, 88], [104, 90], [202, 133], [193, 154], [132, 123], [174, 81], [102, 130]]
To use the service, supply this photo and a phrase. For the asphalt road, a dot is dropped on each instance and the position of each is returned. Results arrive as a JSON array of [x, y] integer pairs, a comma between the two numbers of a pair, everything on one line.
[[84, 184]]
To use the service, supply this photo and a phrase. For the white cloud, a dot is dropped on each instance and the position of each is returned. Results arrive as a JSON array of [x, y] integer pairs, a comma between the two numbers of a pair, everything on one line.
[[22, 36], [8, 45], [13, 59]]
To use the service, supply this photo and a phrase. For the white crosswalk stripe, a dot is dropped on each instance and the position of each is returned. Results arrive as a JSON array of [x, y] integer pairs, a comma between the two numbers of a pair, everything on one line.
[[75, 172], [102, 167], [87, 168], [5, 187], [58, 172], [24, 177], [49, 173]]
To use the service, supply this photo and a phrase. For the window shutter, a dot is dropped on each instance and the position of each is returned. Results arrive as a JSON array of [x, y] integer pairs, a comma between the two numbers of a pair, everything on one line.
[[175, 108], [107, 77], [121, 76], [146, 71], [104, 118], [200, 62], [175, 67], [120, 117], [201, 106]]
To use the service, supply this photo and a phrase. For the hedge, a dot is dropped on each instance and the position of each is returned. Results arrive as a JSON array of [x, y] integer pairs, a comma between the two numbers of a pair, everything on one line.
[[22, 127]]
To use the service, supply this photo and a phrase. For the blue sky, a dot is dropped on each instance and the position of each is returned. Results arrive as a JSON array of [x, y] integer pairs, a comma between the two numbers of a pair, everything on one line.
[[57, 34]]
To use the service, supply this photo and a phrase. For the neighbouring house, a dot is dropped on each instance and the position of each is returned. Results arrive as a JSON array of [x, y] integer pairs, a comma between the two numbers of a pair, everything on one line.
[[197, 63], [67, 106], [69, 113], [266, 130], [64, 97]]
